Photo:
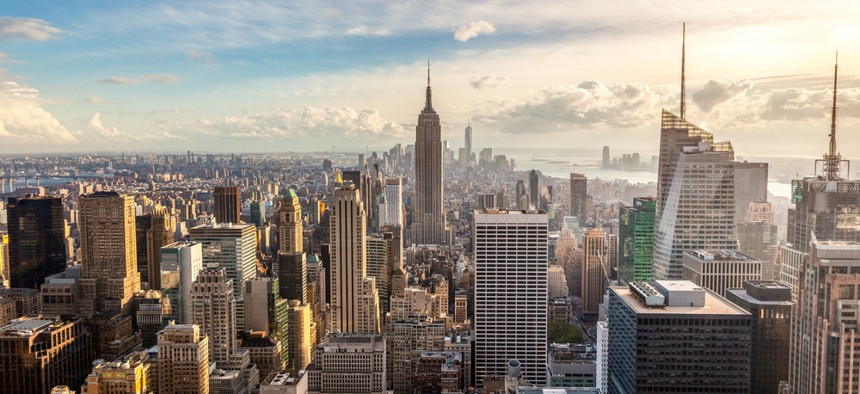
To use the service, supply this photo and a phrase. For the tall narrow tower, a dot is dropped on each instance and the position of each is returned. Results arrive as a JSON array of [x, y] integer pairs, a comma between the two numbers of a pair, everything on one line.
[[351, 289], [228, 204], [428, 226]]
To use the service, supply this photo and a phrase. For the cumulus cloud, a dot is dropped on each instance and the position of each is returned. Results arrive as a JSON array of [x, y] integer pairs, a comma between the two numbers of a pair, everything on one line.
[[589, 104], [472, 30], [362, 30], [718, 92], [23, 120], [151, 78], [26, 29], [303, 123], [488, 82], [94, 123]]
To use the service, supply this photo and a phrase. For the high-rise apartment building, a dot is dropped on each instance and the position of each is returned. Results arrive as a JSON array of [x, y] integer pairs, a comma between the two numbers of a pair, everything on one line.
[[769, 304], [228, 204], [234, 248], [348, 363], [213, 310], [594, 271], [36, 240], [824, 322], [696, 195], [109, 276], [578, 194], [676, 335], [38, 354], [350, 291], [428, 217], [180, 264], [152, 231], [718, 270], [636, 240], [510, 293], [183, 360]]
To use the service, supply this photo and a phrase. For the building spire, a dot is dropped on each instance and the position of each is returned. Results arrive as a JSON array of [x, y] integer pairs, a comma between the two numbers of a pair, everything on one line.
[[832, 160], [428, 103], [683, 76]]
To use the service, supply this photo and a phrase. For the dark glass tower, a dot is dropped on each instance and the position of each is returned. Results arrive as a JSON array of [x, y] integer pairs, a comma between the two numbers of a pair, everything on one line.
[[36, 247]]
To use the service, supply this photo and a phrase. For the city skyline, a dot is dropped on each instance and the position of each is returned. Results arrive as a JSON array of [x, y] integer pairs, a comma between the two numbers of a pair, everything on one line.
[[217, 76]]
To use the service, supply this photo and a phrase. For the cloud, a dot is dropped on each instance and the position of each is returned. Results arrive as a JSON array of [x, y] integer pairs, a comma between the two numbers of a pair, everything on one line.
[[94, 123], [6, 58], [362, 30], [26, 29], [152, 78], [200, 56], [488, 82], [94, 100], [309, 122], [563, 107], [472, 30], [24, 121], [718, 92]]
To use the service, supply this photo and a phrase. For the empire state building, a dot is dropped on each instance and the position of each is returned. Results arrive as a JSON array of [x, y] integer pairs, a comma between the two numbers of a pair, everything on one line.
[[428, 221]]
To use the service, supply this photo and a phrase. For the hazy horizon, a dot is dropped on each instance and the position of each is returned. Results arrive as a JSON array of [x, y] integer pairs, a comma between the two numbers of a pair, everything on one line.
[[221, 76]]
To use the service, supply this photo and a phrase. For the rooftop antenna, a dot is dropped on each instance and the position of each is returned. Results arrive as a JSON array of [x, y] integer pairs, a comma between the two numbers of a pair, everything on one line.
[[683, 76], [832, 160]]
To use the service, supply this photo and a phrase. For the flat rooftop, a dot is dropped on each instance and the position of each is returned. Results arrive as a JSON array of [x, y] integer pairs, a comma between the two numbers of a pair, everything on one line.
[[498, 211], [714, 304]]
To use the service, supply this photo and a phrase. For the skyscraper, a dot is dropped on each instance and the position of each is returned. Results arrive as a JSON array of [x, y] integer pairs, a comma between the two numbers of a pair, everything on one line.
[[213, 309], [109, 276], [428, 220], [152, 231], [183, 360], [824, 322], [293, 276], [290, 223], [258, 213], [468, 135], [228, 204], [36, 240], [578, 193], [181, 262], [696, 195], [349, 289], [676, 335], [607, 161], [393, 206], [534, 190], [38, 354], [828, 204], [594, 270], [234, 248], [636, 242], [750, 186], [510, 293], [769, 304]]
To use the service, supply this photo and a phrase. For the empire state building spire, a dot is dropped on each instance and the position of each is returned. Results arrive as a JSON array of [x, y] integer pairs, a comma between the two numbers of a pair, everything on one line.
[[428, 102]]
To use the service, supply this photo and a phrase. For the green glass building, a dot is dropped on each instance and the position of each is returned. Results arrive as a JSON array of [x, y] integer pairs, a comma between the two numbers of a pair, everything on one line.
[[635, 260]]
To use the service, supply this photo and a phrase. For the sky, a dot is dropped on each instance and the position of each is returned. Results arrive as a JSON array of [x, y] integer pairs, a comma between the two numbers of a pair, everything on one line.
[[260, 76]]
